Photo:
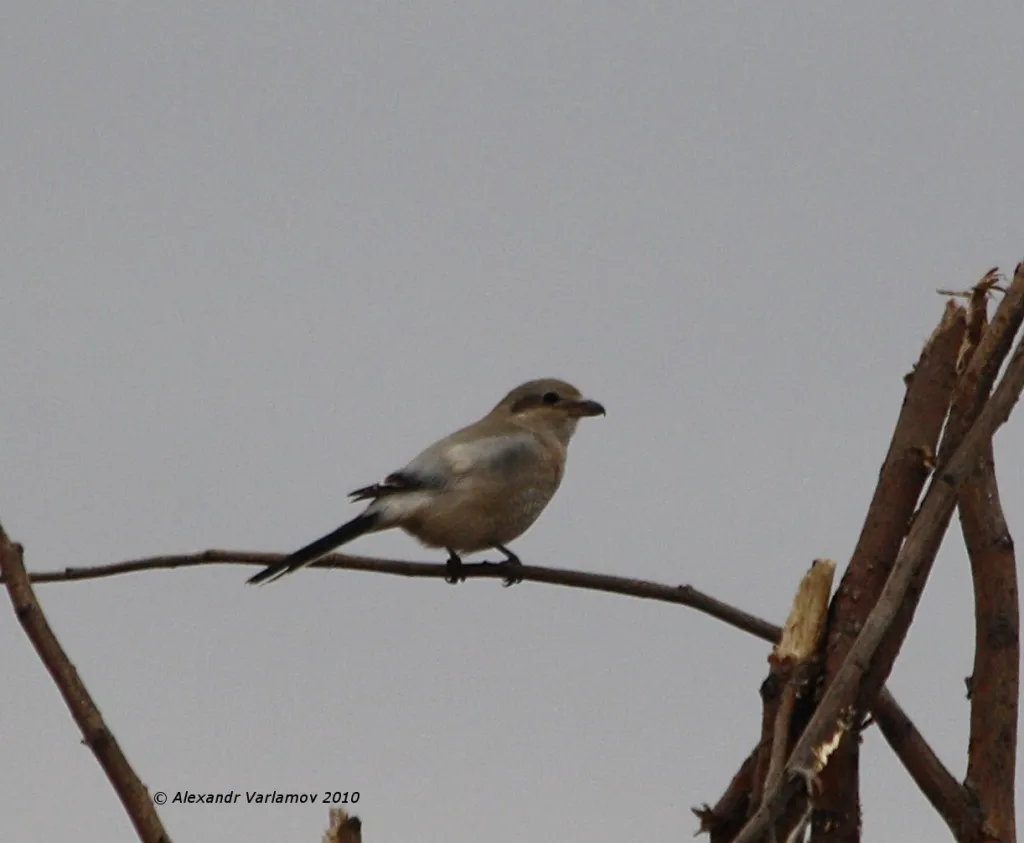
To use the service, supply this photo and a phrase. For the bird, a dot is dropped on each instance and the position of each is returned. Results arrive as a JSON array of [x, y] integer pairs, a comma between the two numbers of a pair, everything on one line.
[[478, 489]]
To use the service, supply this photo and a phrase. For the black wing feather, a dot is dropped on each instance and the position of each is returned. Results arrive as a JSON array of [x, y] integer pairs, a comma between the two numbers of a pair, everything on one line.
[[397, 481]]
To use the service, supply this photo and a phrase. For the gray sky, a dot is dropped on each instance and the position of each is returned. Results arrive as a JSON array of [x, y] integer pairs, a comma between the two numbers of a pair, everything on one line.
[[255, 257]]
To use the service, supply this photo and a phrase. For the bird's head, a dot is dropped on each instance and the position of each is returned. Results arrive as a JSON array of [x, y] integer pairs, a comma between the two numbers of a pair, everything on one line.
[[548, 404]]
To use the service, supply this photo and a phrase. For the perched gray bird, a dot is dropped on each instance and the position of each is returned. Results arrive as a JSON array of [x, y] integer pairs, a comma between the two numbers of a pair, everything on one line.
[[479, 488]]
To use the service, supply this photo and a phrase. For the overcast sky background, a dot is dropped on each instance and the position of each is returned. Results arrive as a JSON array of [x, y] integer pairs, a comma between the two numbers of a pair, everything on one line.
[[256, 256]]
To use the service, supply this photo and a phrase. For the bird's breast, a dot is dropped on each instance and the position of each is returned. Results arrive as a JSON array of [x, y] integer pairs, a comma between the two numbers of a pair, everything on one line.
[[475, 515]]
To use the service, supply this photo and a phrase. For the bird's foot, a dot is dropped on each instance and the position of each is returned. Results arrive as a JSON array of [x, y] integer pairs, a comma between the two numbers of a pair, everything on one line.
[[454, 569], [509, 565], [510, 578]]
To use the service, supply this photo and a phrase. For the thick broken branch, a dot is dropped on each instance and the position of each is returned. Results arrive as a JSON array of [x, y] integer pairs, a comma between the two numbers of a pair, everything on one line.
[[840, 700], [978, 361], [929, 388], [981, 357], [98, 737], [788, 691], [794, 658]]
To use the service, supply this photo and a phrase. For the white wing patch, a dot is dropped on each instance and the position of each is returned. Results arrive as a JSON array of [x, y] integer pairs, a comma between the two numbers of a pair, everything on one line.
[[462, 457], [493, 453]]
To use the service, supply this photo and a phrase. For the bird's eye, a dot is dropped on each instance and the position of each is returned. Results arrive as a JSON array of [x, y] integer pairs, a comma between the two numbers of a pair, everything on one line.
[[550, 398]]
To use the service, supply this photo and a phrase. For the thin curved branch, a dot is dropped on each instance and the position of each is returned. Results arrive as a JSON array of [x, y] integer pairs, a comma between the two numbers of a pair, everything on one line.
[[98, 737], [684, 595], [935, 781]]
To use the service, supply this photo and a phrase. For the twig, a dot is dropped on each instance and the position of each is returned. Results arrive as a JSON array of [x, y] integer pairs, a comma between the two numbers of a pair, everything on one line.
[[98, 737], [989, 281], [842, 694]]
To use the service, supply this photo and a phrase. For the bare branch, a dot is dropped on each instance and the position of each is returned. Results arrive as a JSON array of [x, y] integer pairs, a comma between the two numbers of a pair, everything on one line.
[[903, 475], [684, 595], [980, 358], [991, 757], [98, 737], [904, 738], [841, 697], [950, 798], [991, 762]]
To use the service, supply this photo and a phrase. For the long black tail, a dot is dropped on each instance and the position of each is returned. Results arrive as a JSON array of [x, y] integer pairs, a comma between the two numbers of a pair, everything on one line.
[[311, 552]]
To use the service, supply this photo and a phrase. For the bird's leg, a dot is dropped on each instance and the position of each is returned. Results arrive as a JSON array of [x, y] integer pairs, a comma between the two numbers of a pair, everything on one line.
[[454, 566], [511, 561]]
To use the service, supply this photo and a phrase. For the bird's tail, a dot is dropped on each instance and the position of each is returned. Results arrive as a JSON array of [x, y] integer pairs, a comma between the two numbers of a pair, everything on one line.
[[359, 525]]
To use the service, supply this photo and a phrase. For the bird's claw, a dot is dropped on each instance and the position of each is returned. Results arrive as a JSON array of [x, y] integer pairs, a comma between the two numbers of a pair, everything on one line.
[[510, 578]]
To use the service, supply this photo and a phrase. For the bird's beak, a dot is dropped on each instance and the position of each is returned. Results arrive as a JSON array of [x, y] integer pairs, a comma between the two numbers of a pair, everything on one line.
[[578, 409]]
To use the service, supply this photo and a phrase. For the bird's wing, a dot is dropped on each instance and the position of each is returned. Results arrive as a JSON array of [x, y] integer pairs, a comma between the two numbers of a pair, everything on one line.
[[394, 483], [463, 453], [470, 452], [501, 456]]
